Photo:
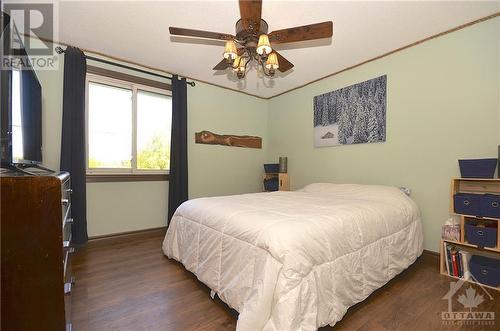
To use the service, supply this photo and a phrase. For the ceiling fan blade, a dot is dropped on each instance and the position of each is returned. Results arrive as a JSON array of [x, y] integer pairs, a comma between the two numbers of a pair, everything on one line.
[[200, 33], [222, 65], [284, 64], [300, 33], [251, 11]]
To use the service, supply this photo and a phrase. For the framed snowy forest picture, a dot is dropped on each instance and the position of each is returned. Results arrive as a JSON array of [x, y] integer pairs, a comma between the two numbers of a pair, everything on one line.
[[352, 115]]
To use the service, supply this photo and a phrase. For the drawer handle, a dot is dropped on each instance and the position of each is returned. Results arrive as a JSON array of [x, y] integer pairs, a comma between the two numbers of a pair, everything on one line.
[[65, 202], [466, 202], [71, 250], [484, 271], [67, 287], [480, 232], [494, 204], [69, 220], [69, 191]]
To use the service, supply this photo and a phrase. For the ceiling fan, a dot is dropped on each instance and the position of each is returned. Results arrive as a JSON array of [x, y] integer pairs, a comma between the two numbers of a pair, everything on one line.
[[253, 42]]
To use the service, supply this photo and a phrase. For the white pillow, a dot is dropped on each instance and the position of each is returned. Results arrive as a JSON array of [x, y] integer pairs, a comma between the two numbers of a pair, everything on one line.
[[355, 191]]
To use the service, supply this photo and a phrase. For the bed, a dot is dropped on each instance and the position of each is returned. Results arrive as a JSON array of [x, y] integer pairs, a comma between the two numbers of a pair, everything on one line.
[[296, 260]]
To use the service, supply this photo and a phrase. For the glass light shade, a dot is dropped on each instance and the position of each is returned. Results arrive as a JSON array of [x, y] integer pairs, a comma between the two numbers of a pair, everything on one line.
[[264, 46], [237, 61], [241, 66], [272, 62], [230, 50]]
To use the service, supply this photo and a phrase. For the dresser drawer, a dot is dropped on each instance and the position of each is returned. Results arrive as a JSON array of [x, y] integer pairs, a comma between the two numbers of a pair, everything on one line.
[[67, 305], [68, 254], [67, 312], [68, 251], [66, 187], [67, 242], [68, 288], [66, 199], [67, 225], [66, 209]]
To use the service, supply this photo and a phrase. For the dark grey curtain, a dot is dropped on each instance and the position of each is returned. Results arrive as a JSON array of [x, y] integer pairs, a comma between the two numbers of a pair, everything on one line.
[[73, 138], [178, 182]]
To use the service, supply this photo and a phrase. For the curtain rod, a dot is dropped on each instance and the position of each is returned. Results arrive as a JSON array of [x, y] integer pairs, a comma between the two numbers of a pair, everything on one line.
[[60, 50]]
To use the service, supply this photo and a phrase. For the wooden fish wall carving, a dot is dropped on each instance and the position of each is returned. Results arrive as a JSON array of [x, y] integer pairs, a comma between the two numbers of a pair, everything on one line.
[[210, 138]]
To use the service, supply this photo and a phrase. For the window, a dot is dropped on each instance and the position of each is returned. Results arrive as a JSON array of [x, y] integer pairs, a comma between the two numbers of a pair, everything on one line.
[[128, 127]]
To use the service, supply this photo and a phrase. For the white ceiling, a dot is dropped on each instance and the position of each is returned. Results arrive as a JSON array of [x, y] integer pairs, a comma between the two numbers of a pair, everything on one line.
[[138, 31]]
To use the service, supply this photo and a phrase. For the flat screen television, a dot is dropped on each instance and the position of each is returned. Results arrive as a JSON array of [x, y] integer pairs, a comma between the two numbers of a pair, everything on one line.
[[21, 102]]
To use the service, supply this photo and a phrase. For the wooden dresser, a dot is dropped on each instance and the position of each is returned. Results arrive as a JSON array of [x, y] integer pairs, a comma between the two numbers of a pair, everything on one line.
[[36, 252]]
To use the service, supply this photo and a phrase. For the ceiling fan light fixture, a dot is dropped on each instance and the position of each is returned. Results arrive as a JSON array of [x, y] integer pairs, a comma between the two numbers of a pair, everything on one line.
[[230, 51], [239, 66], [236, 63], [272, 62], [250, 44], [264, 47]]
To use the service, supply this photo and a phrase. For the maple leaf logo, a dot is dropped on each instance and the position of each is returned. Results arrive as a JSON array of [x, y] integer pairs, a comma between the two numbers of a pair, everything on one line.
[[470, 299]]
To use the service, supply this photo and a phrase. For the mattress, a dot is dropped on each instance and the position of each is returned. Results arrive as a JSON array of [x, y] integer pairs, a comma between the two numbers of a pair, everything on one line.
[[296, 260]]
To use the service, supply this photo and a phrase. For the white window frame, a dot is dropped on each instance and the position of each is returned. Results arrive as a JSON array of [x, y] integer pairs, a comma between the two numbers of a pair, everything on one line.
[[134, 87]]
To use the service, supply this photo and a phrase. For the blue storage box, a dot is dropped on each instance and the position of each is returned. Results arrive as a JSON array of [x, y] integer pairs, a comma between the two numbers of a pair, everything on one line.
[[490, 205], [272, 168], [482, 236], [485, 270], [478, 168], [467, 204], [271, 184]]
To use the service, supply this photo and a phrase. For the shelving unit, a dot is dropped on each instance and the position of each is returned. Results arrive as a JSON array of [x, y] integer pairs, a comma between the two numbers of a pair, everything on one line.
[[478, 186], [283, 181], [487, 249], [471, 248]]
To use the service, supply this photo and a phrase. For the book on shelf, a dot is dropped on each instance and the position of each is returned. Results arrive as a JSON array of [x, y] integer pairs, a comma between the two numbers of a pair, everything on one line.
[[460, 265], [454, 263], [465, 257], [457, 261], [447, 252]]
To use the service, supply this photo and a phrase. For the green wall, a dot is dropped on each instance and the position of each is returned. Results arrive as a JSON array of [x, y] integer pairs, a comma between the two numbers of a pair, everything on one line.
[[222, 170], [213, 170], [442, 105]]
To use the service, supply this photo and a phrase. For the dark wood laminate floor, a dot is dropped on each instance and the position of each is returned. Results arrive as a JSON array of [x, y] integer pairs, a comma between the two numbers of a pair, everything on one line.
[[127, 284]]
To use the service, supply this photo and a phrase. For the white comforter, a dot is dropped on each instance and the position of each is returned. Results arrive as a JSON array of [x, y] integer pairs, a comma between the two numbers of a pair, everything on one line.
[[296, 260]]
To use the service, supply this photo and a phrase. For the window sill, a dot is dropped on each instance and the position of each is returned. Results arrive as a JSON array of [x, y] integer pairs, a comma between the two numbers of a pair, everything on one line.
[[103, 178]]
